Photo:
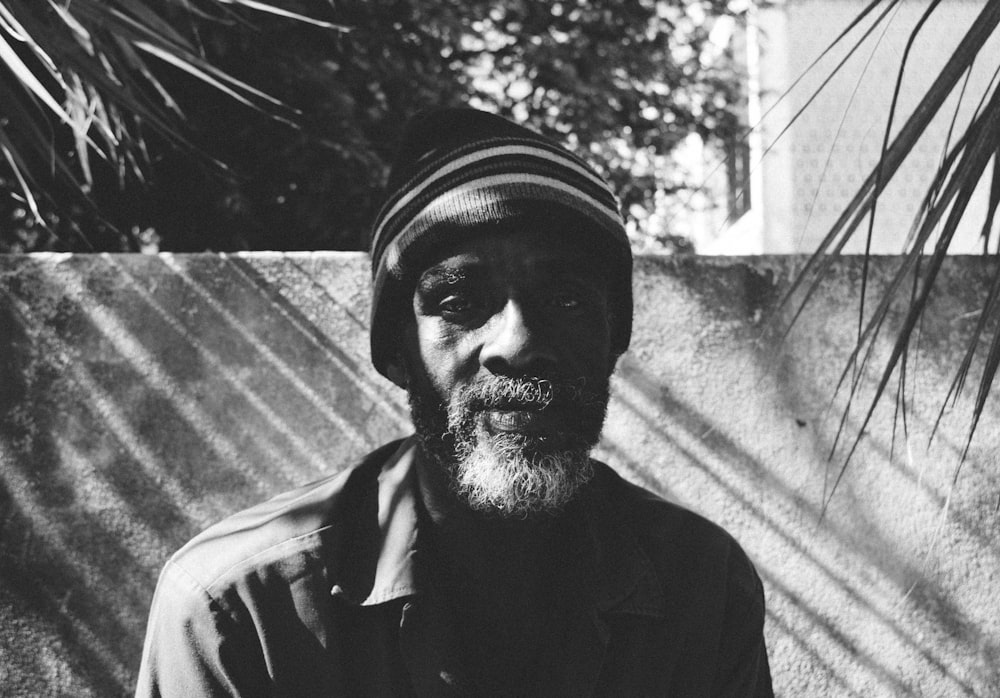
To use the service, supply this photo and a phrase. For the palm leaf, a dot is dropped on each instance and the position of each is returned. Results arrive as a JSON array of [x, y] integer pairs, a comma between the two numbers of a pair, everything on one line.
[[80, 68], [271, 9], [27, 78], [962, 168], [971, 168], [893, 156]]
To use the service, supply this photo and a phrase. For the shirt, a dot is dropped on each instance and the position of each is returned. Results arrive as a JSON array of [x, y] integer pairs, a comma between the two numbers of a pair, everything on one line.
[[328, 591]]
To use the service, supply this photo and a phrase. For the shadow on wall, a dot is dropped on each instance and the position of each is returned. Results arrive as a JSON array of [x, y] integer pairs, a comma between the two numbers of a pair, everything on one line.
[[700, 464], [885, 593], [142, 399]]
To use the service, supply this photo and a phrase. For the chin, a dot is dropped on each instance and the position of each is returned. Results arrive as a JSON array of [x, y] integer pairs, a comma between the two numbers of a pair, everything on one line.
[[515, 476], [512, 473]]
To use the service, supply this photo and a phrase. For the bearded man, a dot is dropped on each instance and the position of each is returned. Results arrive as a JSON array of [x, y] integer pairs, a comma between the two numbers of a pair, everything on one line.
[[488, 555]]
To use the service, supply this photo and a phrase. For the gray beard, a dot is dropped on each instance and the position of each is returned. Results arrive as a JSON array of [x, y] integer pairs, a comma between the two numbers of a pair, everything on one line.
[[510, 475], [501, 474]]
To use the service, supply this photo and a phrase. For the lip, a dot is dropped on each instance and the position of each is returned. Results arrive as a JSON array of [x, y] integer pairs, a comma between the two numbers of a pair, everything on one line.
[[515, 421]]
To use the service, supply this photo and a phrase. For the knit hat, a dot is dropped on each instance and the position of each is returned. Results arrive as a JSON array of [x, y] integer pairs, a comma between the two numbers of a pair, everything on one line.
[[460, 171]]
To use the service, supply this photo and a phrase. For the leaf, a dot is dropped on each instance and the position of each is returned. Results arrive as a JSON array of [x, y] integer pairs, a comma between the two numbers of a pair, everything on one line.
[[87, 50], [962, 167], [209, 75], [135, 62], [969, 169], [271, 9], [904, 142], [17, 167], [145, 16], [79, 31], [27, 78]]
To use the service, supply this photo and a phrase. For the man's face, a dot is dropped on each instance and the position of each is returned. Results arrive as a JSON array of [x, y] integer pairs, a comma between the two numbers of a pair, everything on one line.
[[508, 362]]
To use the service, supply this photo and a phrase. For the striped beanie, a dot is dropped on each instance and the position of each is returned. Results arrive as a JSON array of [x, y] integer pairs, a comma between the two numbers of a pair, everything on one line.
[[461, 171]]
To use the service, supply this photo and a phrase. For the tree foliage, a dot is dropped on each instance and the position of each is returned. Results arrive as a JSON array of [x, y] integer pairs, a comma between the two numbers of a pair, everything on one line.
[[622, 82], [80, 93]]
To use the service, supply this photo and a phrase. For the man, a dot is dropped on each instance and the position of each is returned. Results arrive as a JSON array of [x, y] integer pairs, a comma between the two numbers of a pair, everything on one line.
[[488, 555]]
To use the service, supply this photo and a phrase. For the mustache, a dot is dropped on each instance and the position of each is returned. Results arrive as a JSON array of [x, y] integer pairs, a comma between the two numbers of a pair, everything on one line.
[[531, 392]]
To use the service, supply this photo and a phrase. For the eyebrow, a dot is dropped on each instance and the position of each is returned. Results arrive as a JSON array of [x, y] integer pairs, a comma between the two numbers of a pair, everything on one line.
[[576, 267], [442, 274]]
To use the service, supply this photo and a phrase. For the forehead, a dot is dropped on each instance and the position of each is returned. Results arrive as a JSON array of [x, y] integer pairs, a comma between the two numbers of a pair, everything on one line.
[[518, 253]]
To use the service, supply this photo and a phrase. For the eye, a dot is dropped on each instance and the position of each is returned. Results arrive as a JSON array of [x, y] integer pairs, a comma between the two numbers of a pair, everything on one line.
[[455, 304], [567, 300], [569, 296]]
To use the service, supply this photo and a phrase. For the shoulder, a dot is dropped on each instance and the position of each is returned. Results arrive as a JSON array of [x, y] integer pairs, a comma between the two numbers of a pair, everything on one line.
[[297, 524], [678, 541], [657, 520]]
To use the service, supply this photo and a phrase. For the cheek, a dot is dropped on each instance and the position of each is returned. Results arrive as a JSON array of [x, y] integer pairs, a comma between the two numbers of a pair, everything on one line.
[[585, 348], [445, 354]]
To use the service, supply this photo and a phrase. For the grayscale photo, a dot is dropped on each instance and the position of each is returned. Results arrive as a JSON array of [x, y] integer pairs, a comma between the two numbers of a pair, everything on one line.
[[499, 348]]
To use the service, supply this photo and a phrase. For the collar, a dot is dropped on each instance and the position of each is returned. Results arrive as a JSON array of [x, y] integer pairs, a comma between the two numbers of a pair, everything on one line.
[[619, 572], [623, 577], [397, 492]]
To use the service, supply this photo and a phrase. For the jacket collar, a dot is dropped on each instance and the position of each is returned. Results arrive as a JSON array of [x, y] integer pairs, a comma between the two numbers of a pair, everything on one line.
[[621, 576], [397, 541]]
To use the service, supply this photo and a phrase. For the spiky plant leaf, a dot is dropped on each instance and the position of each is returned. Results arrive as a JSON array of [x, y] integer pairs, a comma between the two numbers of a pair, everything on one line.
[[83, 67], [964, 166]]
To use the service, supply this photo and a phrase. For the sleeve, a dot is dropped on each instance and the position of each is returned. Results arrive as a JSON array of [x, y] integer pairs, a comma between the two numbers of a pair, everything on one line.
[[743, 654], [194, 648]]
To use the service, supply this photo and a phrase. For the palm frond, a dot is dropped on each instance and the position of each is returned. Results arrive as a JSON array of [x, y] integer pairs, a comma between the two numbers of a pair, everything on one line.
[[965, 164], [82, 69], [896, 152], [280, 12]]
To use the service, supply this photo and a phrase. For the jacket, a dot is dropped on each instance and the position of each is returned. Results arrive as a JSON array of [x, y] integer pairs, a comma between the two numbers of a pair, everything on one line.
[[322, 591]]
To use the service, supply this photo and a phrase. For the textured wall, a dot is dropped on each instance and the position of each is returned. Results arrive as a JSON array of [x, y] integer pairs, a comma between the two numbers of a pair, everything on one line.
[[142, 398]]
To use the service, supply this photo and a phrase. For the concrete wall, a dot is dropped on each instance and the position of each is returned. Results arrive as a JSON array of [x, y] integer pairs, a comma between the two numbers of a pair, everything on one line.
[[142, 398]]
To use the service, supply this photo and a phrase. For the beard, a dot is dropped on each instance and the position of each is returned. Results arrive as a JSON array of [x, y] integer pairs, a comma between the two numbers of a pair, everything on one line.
[[513, 474]]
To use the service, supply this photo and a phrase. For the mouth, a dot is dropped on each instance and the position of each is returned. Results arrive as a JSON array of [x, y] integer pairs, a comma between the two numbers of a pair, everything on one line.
[[520, 420]]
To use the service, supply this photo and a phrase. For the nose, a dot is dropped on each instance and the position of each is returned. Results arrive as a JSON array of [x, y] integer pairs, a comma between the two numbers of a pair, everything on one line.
[[514, 344]]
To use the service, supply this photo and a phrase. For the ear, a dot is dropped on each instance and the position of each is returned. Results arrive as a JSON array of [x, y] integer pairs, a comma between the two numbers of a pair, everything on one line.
[[395, 370], [613, 363]]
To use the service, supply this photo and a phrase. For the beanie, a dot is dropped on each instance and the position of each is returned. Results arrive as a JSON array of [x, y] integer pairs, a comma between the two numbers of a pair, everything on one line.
[[459, 171]]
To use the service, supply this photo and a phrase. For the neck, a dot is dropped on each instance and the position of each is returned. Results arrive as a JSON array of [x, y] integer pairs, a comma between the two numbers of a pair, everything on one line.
[[482, 542], [508, 582]]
